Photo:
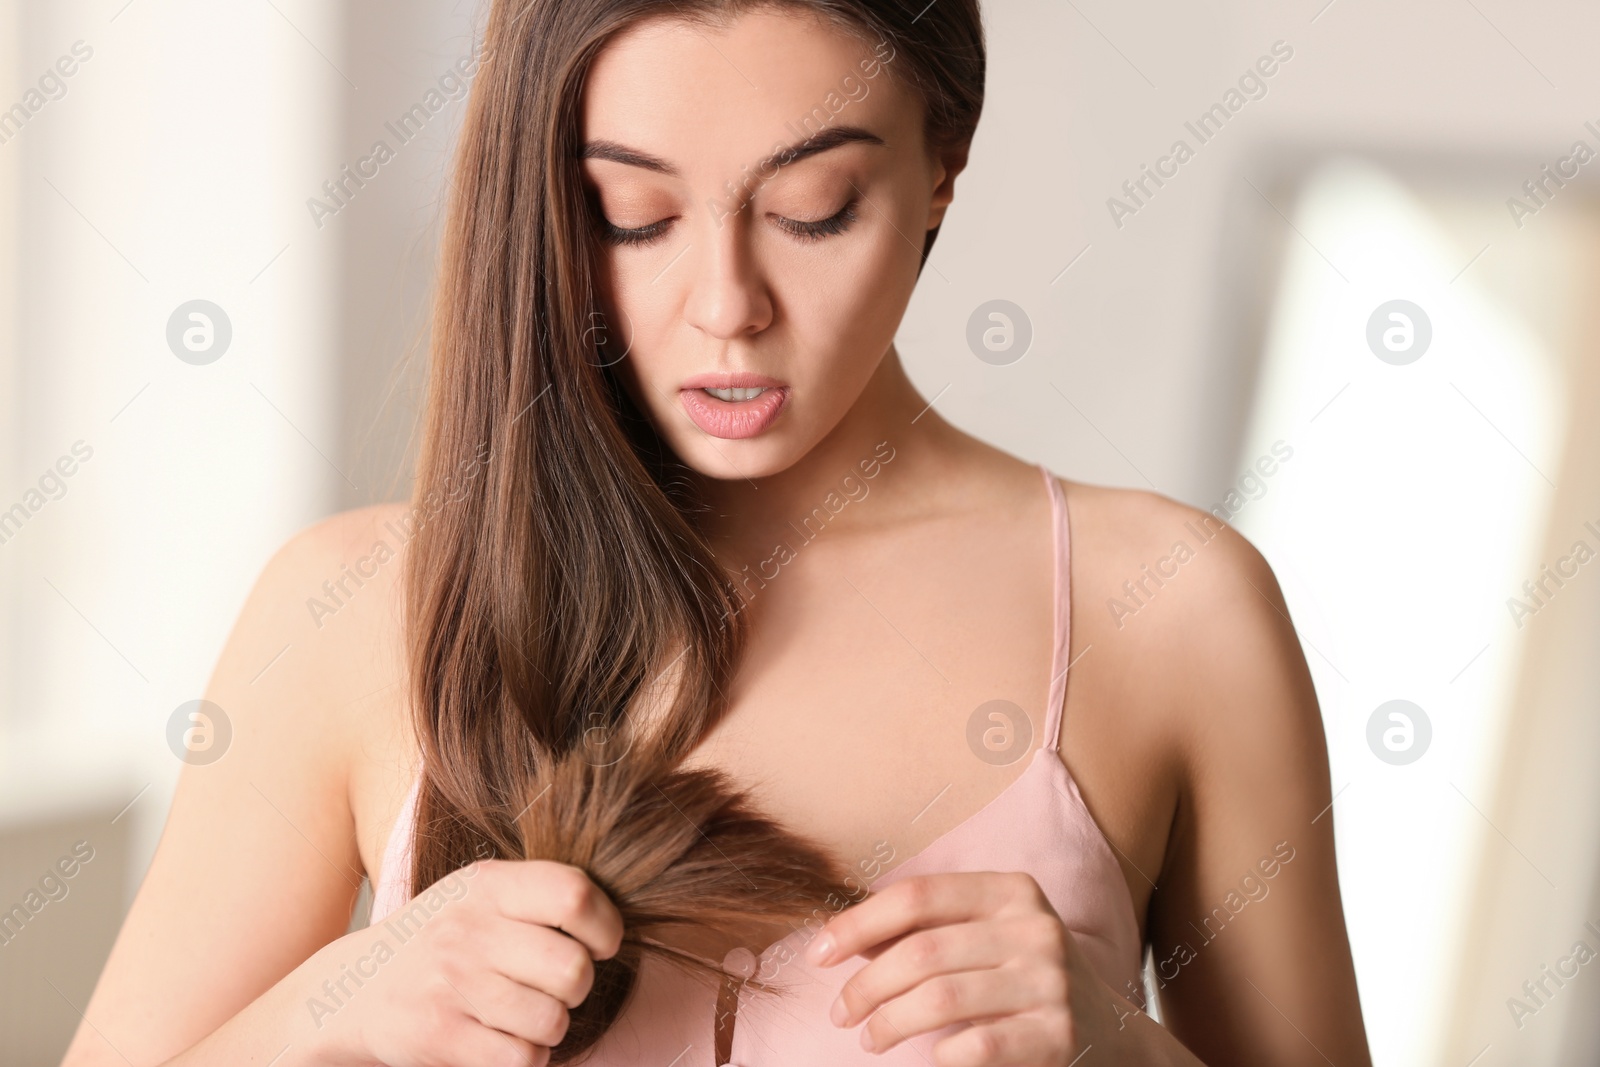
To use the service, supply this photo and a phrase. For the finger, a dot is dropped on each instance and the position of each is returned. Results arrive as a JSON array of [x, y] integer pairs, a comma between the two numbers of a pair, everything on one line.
[[919, 901], [471, 1044], [540, 958], [1019, 1039], [919, 956], [956, 998], [556, 895], [512, 1008]]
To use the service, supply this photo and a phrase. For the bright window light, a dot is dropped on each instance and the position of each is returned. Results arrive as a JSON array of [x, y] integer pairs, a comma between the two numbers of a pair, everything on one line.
[[1413, 506]]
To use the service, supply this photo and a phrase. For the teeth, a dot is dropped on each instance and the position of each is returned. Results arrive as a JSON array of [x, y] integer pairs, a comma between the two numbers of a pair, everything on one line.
[[733, 396]]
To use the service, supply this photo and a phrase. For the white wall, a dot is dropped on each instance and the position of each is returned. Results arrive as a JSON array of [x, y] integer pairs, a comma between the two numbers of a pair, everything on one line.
[[173, 168]]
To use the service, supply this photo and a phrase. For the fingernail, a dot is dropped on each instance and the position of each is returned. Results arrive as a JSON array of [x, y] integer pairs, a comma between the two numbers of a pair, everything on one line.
[[822, 949], [839, 1013], [867, 1041]]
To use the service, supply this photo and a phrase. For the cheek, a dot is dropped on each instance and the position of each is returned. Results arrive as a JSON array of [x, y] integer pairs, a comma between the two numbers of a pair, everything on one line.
[[850, 306], [642, 317]]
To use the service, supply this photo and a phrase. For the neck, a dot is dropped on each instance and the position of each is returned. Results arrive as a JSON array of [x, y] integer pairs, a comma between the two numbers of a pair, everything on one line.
[[892, 429]]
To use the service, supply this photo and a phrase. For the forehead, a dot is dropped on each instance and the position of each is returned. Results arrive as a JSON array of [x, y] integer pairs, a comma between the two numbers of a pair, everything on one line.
[[727, 95]]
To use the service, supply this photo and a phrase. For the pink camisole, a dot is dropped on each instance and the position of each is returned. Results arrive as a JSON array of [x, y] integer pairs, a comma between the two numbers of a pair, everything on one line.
[[1037, 824]]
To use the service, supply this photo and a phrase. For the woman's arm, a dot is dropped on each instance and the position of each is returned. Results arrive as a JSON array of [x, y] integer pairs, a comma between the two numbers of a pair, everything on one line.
[[232, 953], [257, 867], [1246, 924]]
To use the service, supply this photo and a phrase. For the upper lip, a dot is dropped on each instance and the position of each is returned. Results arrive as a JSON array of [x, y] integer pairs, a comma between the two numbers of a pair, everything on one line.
[[732, 380]]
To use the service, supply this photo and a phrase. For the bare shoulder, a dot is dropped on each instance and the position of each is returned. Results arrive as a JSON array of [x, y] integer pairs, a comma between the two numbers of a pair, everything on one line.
[[1184, 599], [312, 673], [332, 592], [313, 676], [1191, 725], [1143, 551], [1202, 753], [333, 596], [271, 817]]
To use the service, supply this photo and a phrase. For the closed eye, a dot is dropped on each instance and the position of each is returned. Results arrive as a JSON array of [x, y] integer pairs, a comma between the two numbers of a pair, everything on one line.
[[816, 231], [835, 224]]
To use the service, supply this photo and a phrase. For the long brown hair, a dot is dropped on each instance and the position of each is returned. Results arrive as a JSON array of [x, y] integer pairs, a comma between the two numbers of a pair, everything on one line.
[[571, 634]]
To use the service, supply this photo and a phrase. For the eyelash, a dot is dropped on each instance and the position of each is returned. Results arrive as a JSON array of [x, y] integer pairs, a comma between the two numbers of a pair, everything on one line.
[[805, 231]]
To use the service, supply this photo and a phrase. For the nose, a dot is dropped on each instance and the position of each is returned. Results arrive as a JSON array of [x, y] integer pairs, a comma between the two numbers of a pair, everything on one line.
[[728, 291]]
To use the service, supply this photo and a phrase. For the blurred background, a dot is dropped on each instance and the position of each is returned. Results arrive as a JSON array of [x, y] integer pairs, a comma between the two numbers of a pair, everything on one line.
[[1371, 270]]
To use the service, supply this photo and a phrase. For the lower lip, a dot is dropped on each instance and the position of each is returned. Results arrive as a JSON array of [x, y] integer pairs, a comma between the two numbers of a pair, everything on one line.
[[733, 420]]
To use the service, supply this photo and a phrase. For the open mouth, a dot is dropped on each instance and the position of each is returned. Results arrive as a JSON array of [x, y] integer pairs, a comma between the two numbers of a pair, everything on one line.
[[734, 412], [732, 396]]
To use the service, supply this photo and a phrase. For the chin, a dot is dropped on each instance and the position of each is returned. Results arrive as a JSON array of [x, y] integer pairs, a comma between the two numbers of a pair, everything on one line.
[[727, 460]]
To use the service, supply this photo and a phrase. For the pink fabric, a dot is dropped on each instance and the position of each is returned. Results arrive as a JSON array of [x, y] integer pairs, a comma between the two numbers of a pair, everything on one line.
[[1037, 824]]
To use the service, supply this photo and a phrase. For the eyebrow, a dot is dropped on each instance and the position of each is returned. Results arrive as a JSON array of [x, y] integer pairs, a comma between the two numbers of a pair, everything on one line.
[[822, 141]]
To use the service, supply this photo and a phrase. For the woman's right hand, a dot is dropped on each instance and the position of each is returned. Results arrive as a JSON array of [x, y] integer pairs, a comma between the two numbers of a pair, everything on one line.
[[478, 970]]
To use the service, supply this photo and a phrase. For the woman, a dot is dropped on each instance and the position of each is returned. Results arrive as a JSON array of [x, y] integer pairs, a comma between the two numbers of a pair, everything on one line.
[[703, 623]]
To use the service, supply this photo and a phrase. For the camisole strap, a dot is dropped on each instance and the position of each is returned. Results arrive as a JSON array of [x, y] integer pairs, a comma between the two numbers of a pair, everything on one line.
[[1062, 645]]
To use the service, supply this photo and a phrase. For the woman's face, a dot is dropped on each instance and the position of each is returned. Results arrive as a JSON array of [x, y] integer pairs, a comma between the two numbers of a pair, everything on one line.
[[755, 296]]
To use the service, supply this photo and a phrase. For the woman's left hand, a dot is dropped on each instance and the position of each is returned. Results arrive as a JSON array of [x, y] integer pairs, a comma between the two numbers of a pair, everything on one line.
[[980, 947]]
